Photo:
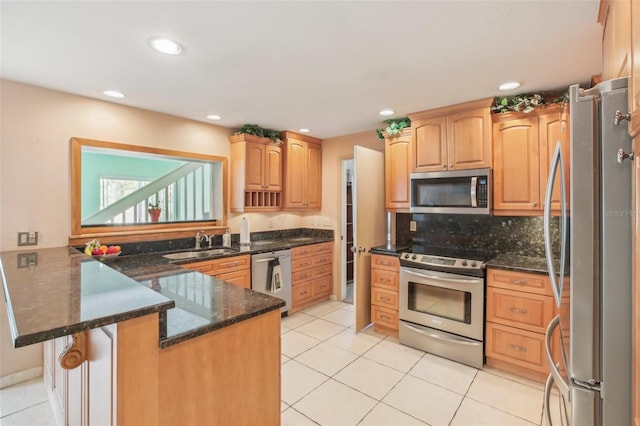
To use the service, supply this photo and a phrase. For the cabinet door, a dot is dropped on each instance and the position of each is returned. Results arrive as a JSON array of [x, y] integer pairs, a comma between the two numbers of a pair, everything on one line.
[[314, 177], [634, 81], [295, 177], [430, 144], [516, 174], [397, 167], [255, 158], [469, 140], [101, 376], [273, 168], [554, 128], [239, 278]]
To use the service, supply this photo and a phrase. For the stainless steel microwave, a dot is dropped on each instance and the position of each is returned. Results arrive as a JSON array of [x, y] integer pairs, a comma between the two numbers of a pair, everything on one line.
[[455, 192]]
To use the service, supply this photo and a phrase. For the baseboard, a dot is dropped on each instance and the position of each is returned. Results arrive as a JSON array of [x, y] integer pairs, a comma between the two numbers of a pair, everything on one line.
[[20, 376]]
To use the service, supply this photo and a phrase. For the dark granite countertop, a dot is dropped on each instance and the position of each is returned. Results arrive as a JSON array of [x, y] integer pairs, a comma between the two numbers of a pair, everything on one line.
[[537, 265], [89, 294], [389, 249], [55, 292]]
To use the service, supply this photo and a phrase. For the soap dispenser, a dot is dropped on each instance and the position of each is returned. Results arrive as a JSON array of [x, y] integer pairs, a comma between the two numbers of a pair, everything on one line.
[[226, 238]]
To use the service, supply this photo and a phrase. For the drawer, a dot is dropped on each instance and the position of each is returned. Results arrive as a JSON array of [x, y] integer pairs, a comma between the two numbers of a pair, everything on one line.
[[322, 259], [301, 293], [523, 310], [300, 264], [322, 286], [309, 250], [519, 281], [298, 276], [384, 317], [390, 263], [518, 347], [239, 278], [384, 298], [323, 270], [204, 267], [323, 247], [385, 279], [229, 264]]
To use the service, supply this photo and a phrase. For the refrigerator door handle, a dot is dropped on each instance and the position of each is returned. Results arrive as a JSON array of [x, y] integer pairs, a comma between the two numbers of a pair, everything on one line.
[[554, 368], [547, 399], [556, 163]]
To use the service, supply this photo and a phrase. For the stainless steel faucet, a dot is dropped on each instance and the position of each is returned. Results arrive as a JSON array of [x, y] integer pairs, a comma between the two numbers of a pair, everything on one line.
[[200, 235]]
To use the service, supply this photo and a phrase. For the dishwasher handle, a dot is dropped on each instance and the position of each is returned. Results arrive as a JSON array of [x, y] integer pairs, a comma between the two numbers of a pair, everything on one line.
[[269, 259]]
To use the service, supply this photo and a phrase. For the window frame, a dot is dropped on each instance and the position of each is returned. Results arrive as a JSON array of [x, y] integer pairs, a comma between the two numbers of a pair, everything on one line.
[[138, 232]]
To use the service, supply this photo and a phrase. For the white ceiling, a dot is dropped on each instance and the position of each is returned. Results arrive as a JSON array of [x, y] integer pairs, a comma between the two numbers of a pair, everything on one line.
[[328, 66]]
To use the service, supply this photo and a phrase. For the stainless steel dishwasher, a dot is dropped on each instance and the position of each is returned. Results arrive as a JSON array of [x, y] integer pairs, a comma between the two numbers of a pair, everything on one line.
[[261, 268]]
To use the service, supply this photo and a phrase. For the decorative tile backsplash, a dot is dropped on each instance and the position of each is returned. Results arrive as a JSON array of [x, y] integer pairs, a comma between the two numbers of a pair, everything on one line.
[[522, 236]]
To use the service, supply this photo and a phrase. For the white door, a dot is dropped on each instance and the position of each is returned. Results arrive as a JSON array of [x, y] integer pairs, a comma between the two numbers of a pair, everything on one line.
[[370, 225]]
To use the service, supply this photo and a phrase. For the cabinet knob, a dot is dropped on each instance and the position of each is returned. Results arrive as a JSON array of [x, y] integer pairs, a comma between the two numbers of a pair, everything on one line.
[[444, 166], [535, 204]]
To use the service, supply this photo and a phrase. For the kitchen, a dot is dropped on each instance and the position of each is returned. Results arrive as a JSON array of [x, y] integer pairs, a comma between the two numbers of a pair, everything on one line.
[[32, 109]]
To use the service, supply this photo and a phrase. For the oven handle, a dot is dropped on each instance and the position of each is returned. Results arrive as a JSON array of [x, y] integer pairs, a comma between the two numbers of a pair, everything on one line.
[[433, 277], [447, 338]]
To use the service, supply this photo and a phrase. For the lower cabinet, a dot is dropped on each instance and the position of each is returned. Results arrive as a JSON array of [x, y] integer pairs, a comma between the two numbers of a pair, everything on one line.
[[311, 274], [236, 269], [84, 395], [385, 276], [519, 307]]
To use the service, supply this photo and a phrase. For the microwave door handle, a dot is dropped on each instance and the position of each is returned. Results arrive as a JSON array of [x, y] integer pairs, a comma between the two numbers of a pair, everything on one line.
[[474, 186]]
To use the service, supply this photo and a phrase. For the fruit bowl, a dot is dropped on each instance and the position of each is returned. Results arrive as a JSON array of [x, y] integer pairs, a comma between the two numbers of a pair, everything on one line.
[[106, 258]]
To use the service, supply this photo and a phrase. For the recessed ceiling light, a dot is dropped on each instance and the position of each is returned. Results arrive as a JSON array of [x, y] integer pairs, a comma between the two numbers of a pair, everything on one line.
[[509, 86], [214, 117], [167, 46], [386, 112], [304, 130], [114, 94]]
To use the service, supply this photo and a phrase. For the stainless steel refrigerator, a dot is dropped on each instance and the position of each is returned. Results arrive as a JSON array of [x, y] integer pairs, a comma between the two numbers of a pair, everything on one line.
[[593, 372]]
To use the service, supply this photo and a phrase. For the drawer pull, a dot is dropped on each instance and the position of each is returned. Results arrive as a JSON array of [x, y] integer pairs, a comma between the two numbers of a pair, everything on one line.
[[303, 276], [517, 348], [322, 271], [384, 317], [385, 280], [517, 310], [385, 299], [385, 263], [232, 264], [517, 282], [303, 293]]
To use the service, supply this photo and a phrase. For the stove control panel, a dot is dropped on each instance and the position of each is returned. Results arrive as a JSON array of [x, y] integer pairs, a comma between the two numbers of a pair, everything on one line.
[[423, 260]]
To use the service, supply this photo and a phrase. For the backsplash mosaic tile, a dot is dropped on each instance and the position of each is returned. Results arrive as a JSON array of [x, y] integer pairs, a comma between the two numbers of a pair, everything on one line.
[[521, 236]]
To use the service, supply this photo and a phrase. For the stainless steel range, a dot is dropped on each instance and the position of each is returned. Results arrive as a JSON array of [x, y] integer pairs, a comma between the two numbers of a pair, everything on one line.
[[442, 303]]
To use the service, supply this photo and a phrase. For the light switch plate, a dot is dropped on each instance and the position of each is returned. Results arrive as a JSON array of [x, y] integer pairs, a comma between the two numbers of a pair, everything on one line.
[[412, 225]]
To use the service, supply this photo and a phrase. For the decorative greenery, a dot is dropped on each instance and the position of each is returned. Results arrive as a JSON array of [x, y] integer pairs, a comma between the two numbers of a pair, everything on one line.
[[254, 129], [527, 102], [154, 206], [395, 126]]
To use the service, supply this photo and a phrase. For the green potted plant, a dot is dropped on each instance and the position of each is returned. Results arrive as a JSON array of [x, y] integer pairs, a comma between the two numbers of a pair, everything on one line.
[[254, 129], [394, 127], [154, 210]]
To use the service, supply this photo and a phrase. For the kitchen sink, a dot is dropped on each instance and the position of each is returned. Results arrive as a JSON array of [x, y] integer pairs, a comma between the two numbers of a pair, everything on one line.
[[198, 254]]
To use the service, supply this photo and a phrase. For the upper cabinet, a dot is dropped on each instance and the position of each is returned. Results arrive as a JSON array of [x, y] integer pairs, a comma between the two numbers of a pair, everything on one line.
[[302, 172], [256, 174], [397, 167], [452, 138], [621, 50], [523, 146]]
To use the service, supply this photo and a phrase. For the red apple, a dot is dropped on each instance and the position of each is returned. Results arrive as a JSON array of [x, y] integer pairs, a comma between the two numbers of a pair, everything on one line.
[[112, 250], [97, 252]]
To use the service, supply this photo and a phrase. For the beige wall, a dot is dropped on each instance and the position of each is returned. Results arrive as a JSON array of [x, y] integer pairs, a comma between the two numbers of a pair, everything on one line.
[[334, 150]]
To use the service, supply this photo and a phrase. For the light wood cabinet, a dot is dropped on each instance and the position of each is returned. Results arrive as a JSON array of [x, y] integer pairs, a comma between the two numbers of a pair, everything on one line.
[[397, 168], [457, 137], [235, 269], [385, 277], [523, 147], [302, 172], [311, 275], [256, 174], [519, 308]]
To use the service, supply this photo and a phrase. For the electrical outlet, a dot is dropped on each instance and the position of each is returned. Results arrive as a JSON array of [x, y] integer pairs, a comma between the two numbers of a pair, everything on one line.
[[270, 223], [27, 238], [412, 225], [326, 221], [27, 260]]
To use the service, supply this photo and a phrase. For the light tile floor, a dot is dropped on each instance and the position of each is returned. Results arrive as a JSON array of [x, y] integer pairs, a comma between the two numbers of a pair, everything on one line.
[[333, 376]]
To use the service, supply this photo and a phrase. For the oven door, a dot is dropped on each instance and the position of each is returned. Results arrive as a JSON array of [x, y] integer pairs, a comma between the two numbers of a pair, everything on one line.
[[448, 302]]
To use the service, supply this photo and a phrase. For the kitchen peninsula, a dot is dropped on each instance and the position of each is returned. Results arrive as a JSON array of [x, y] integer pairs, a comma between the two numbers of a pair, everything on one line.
[[161, 345]]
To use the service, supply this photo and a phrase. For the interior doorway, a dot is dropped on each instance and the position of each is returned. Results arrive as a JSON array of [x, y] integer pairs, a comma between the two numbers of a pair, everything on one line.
[[347, 231]]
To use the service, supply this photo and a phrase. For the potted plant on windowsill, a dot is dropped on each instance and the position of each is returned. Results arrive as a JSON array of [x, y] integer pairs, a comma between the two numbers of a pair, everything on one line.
[[154, 211]]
